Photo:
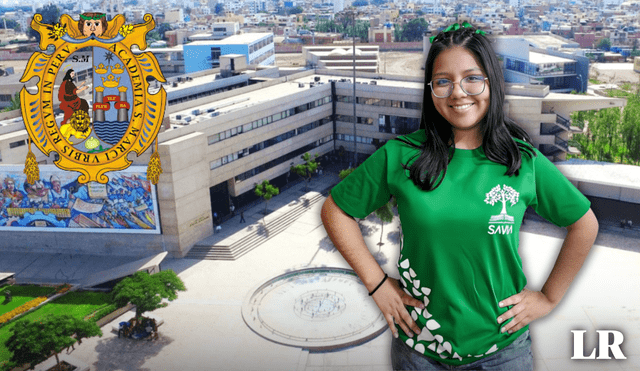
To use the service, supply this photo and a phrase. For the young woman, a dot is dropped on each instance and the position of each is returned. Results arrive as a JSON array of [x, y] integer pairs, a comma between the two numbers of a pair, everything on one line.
[[462, 182]]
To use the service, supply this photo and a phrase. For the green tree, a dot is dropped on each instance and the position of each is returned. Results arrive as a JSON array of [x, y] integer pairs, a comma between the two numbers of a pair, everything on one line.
[[146, 291], [414, 30], [385, 214], [604, 44], [606, 132], [397, 32], [343, 173], [324, 25], [152, 36], [630, 129], [33, 342], [295, 10], [162, 28], [307, 169], [14, 104], [50, 15], [266, 191]]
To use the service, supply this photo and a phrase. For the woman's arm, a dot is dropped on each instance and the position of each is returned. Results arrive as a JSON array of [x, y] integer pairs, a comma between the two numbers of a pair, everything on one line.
[[531, 305], [390, 298]]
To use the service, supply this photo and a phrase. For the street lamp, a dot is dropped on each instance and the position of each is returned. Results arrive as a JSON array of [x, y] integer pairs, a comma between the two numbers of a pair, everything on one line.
[[352, 13]]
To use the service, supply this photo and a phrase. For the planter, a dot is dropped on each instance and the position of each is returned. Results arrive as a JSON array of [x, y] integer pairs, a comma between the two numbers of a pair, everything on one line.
[[74, 363]]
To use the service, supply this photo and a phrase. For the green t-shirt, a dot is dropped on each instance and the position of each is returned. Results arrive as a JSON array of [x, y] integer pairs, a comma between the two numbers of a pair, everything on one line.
[[460, 250]]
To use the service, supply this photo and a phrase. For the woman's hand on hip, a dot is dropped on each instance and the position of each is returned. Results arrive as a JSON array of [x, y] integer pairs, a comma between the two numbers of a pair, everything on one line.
[[527, 306], [391, 300]]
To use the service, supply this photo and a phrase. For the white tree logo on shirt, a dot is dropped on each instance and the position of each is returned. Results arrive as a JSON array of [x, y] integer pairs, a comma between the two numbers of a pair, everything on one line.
[[504, 195]]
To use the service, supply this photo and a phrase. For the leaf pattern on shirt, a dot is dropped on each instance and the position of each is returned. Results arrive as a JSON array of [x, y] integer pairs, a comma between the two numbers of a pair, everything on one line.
[[428, 337]]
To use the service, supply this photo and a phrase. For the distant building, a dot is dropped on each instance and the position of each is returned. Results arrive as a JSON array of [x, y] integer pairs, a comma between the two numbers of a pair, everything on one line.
[[257, 47], [537, 59], [512, 27], [382, 34], [341, 57], [174, 15], [219, 31], [585, 40], [111, 7], [176, 37]]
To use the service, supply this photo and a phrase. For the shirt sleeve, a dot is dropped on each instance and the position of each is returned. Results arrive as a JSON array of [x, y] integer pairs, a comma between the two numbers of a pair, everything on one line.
[[366, 188], [557, 200]]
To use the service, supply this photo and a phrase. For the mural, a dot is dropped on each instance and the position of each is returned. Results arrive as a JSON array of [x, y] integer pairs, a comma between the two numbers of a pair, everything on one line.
[[126, 204]]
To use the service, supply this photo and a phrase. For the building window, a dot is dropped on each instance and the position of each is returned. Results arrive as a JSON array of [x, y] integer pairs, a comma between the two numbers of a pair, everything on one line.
[[215, 164], [215, 57], [397, 124], [214, 138], [17, 144]]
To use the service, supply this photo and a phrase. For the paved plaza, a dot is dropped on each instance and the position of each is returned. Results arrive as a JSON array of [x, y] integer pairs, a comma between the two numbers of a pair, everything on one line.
[[204, 329]]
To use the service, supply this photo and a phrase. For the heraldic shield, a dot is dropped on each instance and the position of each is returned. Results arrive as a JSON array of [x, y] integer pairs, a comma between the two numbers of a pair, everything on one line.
[[103, 90]]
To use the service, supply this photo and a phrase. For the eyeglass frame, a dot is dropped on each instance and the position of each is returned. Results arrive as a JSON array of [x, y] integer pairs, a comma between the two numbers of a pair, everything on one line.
[[484, 86]]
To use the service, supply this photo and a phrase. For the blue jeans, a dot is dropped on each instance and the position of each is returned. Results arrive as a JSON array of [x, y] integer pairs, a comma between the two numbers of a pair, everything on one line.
[[515, 357]]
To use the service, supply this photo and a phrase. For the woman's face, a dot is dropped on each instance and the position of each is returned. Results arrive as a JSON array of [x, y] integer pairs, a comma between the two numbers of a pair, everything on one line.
[[464, 112]]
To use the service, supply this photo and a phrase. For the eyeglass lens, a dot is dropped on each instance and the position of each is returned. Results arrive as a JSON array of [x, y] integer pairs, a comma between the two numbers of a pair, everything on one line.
[[471, 85]]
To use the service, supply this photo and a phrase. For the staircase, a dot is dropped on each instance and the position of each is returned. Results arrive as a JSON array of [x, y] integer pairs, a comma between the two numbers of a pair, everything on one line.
[[256, 237]]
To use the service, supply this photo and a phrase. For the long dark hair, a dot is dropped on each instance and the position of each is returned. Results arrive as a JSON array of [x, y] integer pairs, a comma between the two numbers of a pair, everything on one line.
[[498, 131], [67, 76]]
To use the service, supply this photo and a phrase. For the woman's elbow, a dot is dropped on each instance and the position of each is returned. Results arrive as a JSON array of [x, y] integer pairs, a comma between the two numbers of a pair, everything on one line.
[[587, 225]]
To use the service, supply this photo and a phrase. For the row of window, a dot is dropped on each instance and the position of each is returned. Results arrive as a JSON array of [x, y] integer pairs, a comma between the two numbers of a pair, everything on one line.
[[359, 139], [360, 120], [264, 56], [544, 69], [387, 123], [267, 143], [217, 137], [379, 102], [260, 44], [275, 162]]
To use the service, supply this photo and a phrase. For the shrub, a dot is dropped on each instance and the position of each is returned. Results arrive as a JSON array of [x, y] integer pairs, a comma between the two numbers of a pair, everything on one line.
[[21, 309]]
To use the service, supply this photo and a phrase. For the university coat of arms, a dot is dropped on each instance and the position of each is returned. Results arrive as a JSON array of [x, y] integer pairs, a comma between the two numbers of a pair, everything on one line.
[[107, 115]]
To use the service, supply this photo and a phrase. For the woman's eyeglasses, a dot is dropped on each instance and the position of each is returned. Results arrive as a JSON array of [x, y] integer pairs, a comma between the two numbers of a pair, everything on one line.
[[471, 85]]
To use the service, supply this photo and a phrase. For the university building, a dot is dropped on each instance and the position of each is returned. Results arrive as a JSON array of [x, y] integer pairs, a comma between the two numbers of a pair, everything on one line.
[[236, 138]]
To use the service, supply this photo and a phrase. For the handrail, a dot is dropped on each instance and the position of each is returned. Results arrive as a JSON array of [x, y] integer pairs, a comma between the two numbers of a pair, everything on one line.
[[562, 143], [563, 121]]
